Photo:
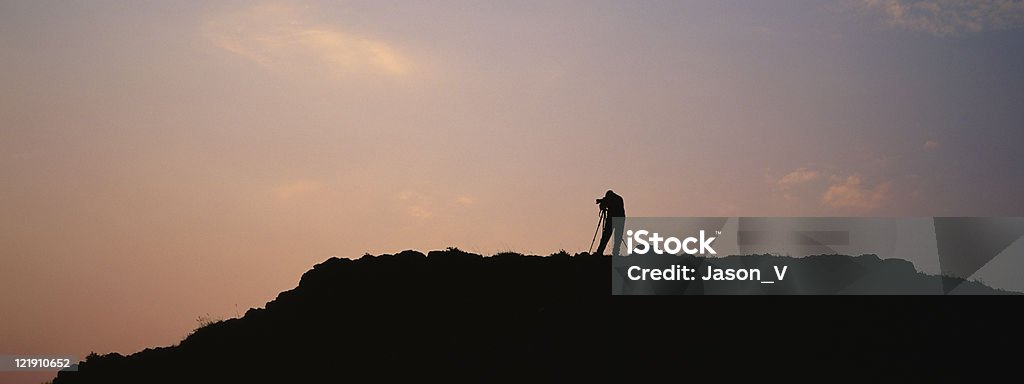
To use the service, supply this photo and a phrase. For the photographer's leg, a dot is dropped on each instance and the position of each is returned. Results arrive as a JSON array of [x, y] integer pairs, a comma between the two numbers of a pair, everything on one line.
[[619, 224]]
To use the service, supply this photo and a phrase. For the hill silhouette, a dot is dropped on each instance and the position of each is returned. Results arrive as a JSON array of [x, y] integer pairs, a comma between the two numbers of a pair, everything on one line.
[[454, 315]]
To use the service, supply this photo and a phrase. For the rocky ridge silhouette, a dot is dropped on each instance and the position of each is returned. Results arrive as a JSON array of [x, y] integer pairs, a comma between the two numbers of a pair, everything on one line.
[[455, 315]]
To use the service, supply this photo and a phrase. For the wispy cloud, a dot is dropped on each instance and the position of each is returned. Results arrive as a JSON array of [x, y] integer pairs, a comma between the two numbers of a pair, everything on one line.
[[799, 176], [950, 17], [417, 204], [419, 212], [424, 206], [294, 189], [797, 184], [284, 37], [852, 193]]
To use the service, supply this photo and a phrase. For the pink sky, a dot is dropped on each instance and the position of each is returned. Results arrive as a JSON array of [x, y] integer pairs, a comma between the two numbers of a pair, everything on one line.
[[163, 162]]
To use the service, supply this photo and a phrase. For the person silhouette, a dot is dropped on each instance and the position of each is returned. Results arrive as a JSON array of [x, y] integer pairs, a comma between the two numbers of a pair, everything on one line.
[[613, 207]]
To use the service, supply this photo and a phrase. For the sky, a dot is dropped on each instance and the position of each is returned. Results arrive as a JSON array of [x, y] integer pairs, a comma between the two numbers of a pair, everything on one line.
[[165, 161]]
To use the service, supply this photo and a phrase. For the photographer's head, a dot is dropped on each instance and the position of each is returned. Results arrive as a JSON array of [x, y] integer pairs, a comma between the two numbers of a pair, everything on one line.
[[602, 201]]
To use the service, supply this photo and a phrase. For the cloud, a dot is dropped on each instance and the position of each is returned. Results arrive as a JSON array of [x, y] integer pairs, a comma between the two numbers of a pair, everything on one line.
[[294, 189], [417, 204], [793, 185], [950, 17], [419, 212], [931, 144], [282, 37], [424, 206], [853, 193], [799, 176]]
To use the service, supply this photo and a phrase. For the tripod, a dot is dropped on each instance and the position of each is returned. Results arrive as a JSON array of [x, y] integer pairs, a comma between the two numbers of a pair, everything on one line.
[[600, 219]]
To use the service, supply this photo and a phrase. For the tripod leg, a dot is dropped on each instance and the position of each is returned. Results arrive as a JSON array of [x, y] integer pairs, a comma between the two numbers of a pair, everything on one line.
[[600, 218]]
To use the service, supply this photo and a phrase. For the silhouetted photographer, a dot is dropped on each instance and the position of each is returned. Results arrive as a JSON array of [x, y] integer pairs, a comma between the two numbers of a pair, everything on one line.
[[611, 208]]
